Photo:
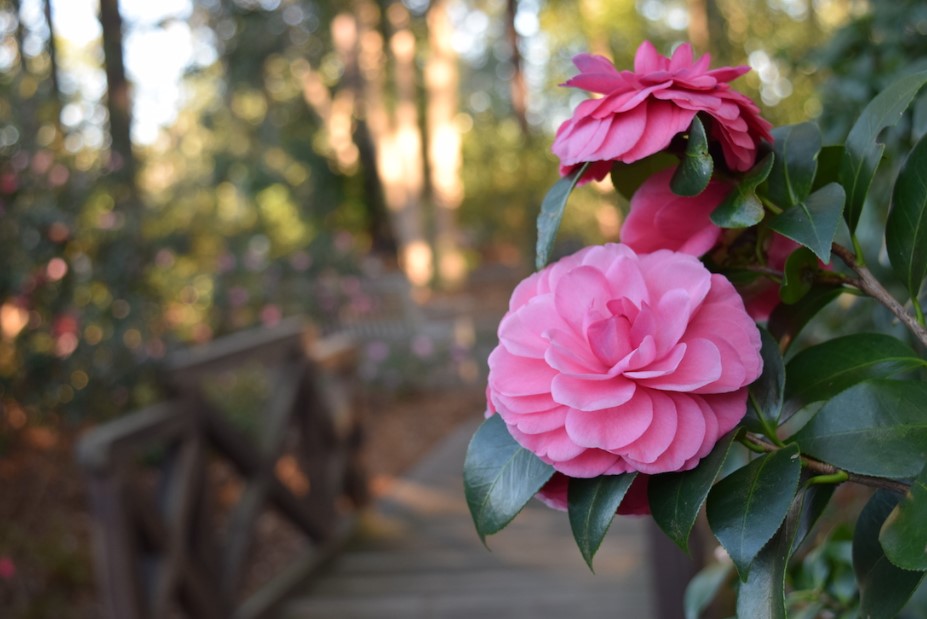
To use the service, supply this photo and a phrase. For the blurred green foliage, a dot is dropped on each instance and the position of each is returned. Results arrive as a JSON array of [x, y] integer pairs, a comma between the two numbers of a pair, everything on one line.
[[242, 215]]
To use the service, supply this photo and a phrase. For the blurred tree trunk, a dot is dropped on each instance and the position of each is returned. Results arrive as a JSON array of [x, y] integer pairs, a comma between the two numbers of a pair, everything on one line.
[[53, 66], [398, 141], [442, 82], [118, 101], [517, 86], [348, 131], [123, 247], [359, 107], [699, 34], [23, 113]]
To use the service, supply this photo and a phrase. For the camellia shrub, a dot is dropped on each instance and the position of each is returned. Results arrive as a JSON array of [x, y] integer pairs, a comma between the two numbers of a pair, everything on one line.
[[663, 373]]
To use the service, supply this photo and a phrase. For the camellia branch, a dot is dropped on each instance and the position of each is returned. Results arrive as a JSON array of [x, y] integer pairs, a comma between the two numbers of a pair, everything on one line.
[[871, 286], [759, 443]]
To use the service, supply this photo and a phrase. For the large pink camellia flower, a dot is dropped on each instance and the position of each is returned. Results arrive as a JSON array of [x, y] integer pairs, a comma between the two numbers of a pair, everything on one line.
[[609, 362], [660, 219], [641, 111]]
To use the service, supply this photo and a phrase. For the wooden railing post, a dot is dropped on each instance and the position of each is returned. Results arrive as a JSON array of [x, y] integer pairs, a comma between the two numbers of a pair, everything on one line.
[[155, 554]]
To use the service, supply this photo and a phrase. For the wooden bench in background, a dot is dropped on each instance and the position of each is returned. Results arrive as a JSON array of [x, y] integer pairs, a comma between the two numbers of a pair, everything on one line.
[[180, 491]]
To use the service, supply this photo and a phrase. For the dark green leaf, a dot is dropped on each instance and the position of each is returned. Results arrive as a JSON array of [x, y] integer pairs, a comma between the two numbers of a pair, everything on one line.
[[765, 399], [883, 588], [746, 508], [592, 504], [693, 174], [762, 594], [904, 536], [822, 371], [862, 153], [676, 498], [500, 477], [877, 427], [814, 499], [813, 223], [787, 321], [796, 148], [703, 588], [552, 212], [906, 228], [741, 208], [798, 276], [627, 177], [828, 166]]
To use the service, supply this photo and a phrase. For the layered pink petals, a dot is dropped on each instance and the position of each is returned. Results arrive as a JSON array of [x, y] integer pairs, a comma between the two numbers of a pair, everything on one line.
[[640, 112], [660, 219], [609, 362]]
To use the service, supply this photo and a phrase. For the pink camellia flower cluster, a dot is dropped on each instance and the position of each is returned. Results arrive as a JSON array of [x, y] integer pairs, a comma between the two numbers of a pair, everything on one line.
[[640, 112], [611, 361]]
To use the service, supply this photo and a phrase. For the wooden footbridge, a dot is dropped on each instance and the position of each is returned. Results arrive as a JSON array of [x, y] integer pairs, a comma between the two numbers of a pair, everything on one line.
[[416, 555]]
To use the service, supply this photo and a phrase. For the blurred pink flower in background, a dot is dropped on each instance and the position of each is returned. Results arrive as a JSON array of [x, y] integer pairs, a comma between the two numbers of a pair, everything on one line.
[[422, 346], [610, 362], [660, 219], [641, 111], [7, 568]]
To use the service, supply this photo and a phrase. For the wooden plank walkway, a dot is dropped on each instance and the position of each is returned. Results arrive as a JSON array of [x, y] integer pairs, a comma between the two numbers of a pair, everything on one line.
[[418, 556]]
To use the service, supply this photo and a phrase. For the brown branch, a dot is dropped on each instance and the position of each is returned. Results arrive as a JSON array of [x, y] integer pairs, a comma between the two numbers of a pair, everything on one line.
[[823, 468], [867, 283]]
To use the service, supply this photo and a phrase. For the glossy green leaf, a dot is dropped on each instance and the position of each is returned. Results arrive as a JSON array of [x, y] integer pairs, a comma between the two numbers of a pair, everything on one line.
[[884, 588], [765, 399], [820, 372], [862, 152], [796, 148], [694, 172], [551, 214], [746, 508], [677, 498], [829, 160], [762, 594], [592, 504], [500, 477], [813, 223], [906, 228], [798, 275], [877, 428], [787, 321], [628, 177], [704, 587], [904, 536], [742, 208]]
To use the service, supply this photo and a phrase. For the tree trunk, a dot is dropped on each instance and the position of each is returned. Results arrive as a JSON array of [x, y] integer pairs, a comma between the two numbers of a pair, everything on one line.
[[517, 88], [363, 127], [24, 114], [444, 142], [699, 34], [118, 100], [396, 136], [53, 66]]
